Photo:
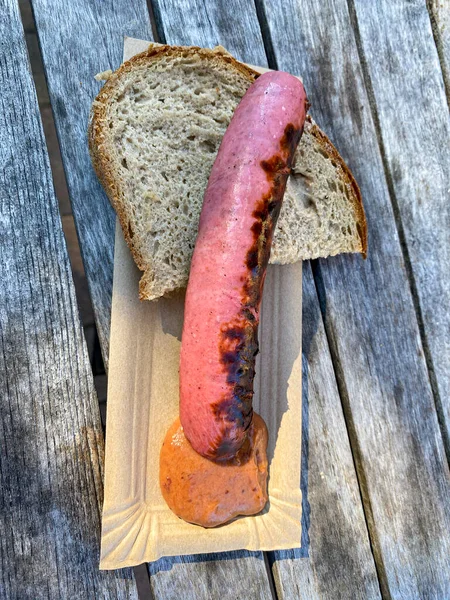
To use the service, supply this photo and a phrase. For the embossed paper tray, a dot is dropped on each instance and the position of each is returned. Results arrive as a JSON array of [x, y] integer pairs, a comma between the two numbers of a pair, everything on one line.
[[137, 526]]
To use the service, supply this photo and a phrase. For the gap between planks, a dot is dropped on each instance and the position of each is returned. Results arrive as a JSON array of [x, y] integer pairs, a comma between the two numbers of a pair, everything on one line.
[[439, 11], [268, 566], [358, 463], [156, 23]]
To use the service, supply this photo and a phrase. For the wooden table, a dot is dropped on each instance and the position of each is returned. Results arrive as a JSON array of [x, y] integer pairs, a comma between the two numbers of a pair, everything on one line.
[[376, 350]]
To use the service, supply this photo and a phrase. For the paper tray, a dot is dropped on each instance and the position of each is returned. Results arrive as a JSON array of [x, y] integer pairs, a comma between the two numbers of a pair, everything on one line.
[[137, 525]]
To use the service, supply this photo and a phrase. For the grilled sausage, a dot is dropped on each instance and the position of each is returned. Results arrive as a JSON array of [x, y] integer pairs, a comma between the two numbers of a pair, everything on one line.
[[241, 206]]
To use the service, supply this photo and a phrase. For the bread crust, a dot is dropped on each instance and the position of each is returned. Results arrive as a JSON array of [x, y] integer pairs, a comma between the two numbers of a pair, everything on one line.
[[349, 180], [101, 154]]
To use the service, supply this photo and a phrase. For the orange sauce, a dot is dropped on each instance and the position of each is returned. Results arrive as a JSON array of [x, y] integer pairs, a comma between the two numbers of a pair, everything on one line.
[[211, 493]]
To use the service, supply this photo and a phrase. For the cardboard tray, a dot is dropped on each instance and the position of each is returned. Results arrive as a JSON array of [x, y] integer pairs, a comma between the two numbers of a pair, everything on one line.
[[137, 525]]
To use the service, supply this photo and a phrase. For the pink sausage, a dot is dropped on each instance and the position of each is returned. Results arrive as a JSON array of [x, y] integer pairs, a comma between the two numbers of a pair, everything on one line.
[[240, 209]]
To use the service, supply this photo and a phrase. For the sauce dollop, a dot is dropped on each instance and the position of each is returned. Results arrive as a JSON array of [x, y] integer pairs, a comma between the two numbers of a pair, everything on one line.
[[211, 493]]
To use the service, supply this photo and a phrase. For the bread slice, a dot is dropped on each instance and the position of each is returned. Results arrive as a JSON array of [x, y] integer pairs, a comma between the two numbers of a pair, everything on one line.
[[154, 132]]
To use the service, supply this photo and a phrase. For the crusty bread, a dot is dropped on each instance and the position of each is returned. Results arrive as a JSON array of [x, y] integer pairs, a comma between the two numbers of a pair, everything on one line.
[[154, 133]]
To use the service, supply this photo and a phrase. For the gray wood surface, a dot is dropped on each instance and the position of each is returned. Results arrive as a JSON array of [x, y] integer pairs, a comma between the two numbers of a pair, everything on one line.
[[89, 35], [370, 317], [51, 439], [369, 309], [406, 79], [223, 576], [335, 560], [228, 23], [440, 21], [78, 39]]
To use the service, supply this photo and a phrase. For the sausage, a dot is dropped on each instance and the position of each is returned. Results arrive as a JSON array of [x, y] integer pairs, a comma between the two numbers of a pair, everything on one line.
[[240, 209]]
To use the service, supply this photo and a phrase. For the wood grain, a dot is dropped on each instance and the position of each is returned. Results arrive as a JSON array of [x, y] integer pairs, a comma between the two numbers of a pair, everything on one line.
[[440, 21], [90, 34], [406, 80], [52, 443], [228, 23], [220, 576], [335, 540], [79, 39], [335, 560], [370, 318]]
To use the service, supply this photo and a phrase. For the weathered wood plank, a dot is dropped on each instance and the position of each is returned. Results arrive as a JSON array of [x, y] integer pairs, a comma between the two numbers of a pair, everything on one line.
[[370, 317], [335, 560], [51, 439], [78, 39], [228, 23], [92, 33], [221, 576], [440, 21], [406, 78]]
